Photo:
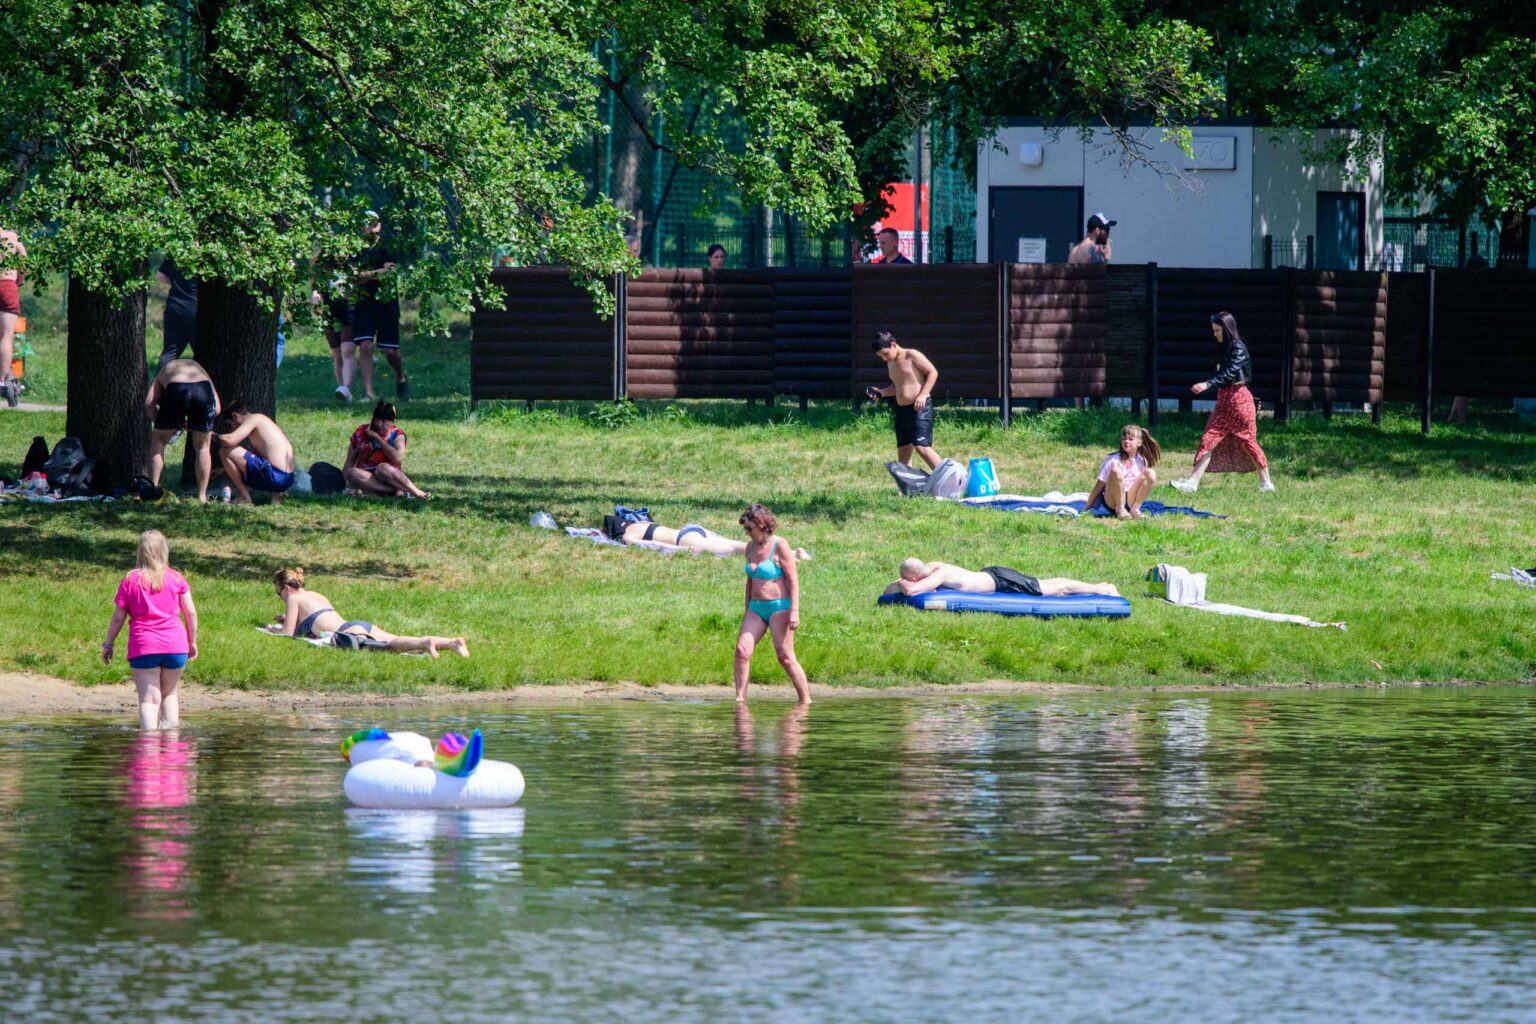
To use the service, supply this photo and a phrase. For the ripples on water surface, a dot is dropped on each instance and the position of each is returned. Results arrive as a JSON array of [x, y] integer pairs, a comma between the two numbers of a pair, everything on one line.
[[1322, 856]]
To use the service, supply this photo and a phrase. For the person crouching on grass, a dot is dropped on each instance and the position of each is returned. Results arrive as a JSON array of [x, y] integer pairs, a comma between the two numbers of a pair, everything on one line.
[[265, 463], [1127, 477], [155, 599], [773, 602]]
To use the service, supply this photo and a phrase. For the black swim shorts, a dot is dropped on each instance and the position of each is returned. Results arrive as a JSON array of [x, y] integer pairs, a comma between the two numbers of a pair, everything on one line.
[[913, 427], [189, 405], [379, 321], [1011, 581]]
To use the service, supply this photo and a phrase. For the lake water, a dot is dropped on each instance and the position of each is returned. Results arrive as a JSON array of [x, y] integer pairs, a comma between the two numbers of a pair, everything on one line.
[[1315, 856]]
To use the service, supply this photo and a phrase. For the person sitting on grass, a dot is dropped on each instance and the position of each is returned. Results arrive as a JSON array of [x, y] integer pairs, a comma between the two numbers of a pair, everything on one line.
[[307, 614], [265, 464], [919, 577], [691, 536], [1127, 477], [374, 457]]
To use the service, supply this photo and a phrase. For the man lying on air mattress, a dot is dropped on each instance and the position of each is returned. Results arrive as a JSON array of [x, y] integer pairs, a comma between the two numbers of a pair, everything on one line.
[[919, 577]]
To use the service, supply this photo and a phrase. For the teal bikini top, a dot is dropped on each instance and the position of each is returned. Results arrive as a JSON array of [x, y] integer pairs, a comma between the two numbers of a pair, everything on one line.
[[767, 569]]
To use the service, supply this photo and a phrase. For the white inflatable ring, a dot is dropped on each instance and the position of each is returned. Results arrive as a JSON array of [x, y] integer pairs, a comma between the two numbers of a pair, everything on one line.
[[395, 771]]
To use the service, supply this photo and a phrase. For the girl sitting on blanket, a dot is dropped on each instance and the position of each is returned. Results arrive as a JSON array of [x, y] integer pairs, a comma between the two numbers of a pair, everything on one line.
[[307, 614], [1127, 477]]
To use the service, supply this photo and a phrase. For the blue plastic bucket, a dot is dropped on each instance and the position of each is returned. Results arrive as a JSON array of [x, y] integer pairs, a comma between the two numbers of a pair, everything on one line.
[[982, 481]]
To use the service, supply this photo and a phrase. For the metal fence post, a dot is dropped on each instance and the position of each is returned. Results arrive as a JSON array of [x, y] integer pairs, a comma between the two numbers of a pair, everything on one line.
[[1269, 251], [1429, 357], [682, 243], [1310, 252], [620, 340], [1288, 343], [1152, 344], [949, 243], [1005, 328]]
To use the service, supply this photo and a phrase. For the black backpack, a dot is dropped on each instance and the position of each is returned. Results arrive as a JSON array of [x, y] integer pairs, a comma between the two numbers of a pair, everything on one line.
[[325, 478], [37, 457], [67, 458]]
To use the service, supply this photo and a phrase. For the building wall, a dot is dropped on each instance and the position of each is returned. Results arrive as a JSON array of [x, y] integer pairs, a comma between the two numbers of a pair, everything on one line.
[[1176, 214], [1290, 170], [1168, 212]]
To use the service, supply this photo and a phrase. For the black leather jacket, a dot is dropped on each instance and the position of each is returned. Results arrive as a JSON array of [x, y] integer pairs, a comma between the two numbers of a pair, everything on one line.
[[1236, 367]]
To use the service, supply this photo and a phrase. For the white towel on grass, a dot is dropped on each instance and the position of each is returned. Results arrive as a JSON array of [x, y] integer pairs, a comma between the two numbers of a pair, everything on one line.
[[1187, 590]]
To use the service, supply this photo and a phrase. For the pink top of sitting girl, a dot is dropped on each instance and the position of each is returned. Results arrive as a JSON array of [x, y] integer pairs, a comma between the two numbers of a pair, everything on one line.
[[1133, 469], [154, 617]]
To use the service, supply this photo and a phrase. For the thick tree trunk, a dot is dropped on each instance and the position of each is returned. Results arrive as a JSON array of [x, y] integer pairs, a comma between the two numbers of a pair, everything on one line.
[[237, 345], [107, 380]]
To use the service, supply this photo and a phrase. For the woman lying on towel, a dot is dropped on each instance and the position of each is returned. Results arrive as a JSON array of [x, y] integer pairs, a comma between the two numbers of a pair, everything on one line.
[[692, 535], [307, 615]]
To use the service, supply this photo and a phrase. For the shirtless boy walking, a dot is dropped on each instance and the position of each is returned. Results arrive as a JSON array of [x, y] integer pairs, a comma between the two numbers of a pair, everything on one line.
[[265, 463], [182, 396], [919, 577], [912, 381]]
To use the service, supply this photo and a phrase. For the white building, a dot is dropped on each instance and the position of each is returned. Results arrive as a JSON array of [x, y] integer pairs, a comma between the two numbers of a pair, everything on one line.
[[1037, 185]]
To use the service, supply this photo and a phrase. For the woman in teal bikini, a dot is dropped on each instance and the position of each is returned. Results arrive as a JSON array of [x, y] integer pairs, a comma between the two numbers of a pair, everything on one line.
[[773, 602]]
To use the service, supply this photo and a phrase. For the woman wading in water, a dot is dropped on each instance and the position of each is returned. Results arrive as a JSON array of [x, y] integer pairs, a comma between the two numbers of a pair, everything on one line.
[[773, 602]]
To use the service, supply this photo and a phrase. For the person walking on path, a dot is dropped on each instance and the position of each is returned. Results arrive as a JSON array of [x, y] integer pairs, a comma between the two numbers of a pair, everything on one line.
[[912, 380], [11, 247], [156, 602], [265, 463], [1233, 430], [180, 326], [773, 602], [1094, 248], [376, 321], [182, 396]]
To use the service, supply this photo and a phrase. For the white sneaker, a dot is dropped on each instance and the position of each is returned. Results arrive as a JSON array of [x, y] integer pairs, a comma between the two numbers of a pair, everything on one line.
[[1187, 486], [1267, 486], [344, 393]]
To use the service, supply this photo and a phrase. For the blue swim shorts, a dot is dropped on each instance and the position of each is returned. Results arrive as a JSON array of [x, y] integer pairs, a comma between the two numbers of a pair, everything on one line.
[[261, 475], [158, 661]]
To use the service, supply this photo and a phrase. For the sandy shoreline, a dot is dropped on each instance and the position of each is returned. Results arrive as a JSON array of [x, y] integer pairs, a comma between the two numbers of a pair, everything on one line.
[[25, 696]]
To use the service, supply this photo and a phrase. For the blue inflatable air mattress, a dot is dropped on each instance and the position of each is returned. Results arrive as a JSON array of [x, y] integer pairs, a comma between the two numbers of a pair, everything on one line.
[[1076, 606]]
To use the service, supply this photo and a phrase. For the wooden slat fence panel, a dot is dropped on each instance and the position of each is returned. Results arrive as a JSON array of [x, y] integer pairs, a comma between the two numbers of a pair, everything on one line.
[[542, 340], [1125, 331], [813, 332], [1485, 333], [950, 312], [1187, 352], [1340, 350], [1407, 305], [699, 334], [1056, 330]]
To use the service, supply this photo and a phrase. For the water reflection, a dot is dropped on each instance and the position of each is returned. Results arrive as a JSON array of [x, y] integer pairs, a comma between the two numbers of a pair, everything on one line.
[[416, 851], [161, 773]]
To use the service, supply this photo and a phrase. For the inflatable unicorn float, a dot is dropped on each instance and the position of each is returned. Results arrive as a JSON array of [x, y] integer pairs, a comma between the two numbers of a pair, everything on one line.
[[403, 771]]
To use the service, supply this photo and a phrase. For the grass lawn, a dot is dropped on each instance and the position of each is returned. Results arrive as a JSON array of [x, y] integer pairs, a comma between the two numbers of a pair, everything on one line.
[[1394, 533]]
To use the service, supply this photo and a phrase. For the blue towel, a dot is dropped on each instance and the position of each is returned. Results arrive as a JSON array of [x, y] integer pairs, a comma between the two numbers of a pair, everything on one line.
[[1075, 508]]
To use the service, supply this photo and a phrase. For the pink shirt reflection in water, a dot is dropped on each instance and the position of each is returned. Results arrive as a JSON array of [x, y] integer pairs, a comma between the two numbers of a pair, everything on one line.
[[161, 774]]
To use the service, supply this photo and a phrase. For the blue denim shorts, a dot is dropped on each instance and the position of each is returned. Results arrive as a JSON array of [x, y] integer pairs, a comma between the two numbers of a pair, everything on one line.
[[158, 661]]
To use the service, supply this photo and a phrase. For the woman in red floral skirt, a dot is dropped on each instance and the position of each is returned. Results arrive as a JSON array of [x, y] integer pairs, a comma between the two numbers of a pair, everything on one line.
[[1232, 432]]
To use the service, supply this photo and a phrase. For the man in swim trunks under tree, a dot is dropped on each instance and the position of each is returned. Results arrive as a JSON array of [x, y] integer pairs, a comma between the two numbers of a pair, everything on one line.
[[266, 461], [182, 396], [919, 577], [912, 381]]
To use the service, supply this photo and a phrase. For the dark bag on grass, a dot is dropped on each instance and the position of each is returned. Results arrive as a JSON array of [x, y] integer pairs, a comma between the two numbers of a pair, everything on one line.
[[632, 515], [326, 479], [357, 642], [67, 458], [37, 457]]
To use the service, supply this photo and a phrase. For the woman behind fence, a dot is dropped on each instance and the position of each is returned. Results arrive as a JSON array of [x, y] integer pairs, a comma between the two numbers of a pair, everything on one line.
[[1233, 428]]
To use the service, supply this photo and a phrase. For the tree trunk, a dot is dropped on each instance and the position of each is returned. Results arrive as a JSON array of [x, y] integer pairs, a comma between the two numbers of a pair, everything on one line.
[[107, 380], [237, 345]]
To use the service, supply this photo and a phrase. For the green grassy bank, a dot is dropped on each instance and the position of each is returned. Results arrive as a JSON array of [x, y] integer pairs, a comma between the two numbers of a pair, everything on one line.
[[1394, 533]]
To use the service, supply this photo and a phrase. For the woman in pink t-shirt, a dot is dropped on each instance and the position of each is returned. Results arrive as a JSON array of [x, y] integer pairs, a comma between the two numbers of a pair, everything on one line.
[[154, 599]]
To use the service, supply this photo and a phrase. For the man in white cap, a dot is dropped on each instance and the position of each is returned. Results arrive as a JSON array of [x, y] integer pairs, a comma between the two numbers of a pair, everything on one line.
[[1094, 248]]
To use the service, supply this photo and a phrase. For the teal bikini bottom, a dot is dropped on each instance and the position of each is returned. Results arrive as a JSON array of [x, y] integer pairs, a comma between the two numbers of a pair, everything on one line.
[[766, 610]]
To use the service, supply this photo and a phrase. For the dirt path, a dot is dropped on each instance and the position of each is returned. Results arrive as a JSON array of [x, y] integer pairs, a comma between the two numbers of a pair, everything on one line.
[[26, 696]]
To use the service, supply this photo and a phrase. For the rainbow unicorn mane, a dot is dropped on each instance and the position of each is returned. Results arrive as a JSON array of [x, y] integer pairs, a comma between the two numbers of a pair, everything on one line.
[[358, 737], [457, 756]]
